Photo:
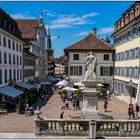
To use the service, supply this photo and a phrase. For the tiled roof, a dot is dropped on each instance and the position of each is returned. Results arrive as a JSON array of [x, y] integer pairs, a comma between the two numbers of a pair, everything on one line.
[[27, 27], [90, 42]]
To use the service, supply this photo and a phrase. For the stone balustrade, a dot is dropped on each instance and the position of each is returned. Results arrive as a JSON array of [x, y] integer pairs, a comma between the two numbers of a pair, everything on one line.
[[79, 127]]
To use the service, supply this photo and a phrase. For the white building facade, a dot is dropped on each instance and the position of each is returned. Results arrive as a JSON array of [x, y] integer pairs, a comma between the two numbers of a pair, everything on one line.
[[127, 58], [11, 58], [79, 51], [11, 55]]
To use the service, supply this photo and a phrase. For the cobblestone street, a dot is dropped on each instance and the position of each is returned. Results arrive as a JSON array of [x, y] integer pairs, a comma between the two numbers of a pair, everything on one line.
[[14, 122]]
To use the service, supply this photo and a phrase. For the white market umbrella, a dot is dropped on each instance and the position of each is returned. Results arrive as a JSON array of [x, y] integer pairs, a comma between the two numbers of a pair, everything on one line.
[[60, 84], [69, 89], [100, 85], [78, 84]]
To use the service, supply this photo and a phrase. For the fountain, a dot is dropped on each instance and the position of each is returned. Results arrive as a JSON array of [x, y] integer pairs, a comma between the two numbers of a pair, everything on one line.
[[90, 93]]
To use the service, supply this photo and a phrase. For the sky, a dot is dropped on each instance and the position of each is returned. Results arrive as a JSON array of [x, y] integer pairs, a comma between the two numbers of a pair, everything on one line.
[[72, 21]]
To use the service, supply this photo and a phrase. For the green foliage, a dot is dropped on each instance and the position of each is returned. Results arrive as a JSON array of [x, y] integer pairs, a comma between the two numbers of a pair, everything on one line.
[[21, 104], [103, 90], [34, 96], [64, 91]]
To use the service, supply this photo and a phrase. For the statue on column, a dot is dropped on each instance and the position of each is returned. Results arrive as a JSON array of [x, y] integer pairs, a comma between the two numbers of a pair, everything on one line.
[[90, 66]]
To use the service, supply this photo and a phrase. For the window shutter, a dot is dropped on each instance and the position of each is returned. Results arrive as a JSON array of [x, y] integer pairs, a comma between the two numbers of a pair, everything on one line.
[[71, 70], [80, 70], [111, 71], [101, 71]]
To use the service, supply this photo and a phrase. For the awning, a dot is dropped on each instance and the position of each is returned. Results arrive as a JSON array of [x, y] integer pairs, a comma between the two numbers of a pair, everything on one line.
[[24, 85], [10, 91], [45, 83]]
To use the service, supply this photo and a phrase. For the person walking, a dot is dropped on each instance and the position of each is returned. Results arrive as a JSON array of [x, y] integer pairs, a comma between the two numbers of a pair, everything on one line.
[[66, 103], [77, 104], [74, 103], [131, 111], [137, 109], [105, 105], [61, 115]]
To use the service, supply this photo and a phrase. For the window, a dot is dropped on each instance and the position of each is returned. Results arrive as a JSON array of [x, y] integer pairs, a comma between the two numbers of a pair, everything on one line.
[[20, 61], [17, 60], [136, 72], [5, 58], [0, 40], [14, 74], [17, 74], [75, 56], [0, 76], [4, 41], [5, 75], [136, 52], [9, 44], [76, 70], [13, 45], [0, 57], [9, 58], [20, 74], [13, 59], [17, 46], [20, 48], [106, 57], [108, 71], [10, 75]]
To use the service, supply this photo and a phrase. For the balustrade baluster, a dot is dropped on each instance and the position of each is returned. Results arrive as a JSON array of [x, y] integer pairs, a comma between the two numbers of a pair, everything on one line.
[[51, 126], [127, 126], [55, 126]]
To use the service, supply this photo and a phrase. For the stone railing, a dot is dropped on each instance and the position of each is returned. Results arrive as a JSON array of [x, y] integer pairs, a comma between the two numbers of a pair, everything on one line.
[[79, 127], [118, 127], [62, 127]]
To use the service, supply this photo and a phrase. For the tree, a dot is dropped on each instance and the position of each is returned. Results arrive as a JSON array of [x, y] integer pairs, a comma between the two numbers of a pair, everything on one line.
[[21, 104]]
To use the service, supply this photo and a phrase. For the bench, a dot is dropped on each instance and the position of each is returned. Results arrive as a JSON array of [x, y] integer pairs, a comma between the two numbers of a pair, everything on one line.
[[3, 111]]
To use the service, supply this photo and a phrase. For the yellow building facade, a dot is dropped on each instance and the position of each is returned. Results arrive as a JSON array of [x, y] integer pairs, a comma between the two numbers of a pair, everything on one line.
[[127, 57]]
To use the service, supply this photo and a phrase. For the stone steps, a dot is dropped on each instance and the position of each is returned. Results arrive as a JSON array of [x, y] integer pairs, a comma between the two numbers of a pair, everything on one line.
[[31, 136]]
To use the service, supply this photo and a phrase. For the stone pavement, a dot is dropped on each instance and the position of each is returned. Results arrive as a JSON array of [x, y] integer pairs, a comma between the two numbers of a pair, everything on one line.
[[31, 136], [17, 123], [126, 99]]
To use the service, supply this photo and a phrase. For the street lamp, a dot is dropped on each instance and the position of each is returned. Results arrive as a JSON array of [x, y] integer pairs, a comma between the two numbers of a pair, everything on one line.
[[130, 84]]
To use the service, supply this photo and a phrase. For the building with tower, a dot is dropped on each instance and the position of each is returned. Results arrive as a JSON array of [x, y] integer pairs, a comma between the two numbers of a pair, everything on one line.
[[50, 52], [34, 36]]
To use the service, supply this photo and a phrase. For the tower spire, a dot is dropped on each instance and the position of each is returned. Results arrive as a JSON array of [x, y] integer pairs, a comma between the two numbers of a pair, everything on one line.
[[49, 44], [41, 14], [41, 18]]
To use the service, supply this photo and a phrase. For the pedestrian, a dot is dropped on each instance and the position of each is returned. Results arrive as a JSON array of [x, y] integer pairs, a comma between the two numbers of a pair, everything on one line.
[[74, 104], [66, 103], [132, 111], [77, 104], [105, 105], [129, 112], [137, 109], [61, 115]]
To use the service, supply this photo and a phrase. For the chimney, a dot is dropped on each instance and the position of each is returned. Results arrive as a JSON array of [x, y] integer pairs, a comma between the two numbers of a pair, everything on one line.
[[95, 31]]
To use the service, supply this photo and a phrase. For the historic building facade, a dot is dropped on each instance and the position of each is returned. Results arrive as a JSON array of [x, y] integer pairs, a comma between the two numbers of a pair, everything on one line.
[[29, 67], [61, 65], [50, 51], [127, 43], [11, 52], [34, 36], [77, 53]]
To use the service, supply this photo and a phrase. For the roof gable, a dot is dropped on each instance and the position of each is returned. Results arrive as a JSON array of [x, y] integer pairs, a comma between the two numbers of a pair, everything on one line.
[[28, 28], [90, 42]]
